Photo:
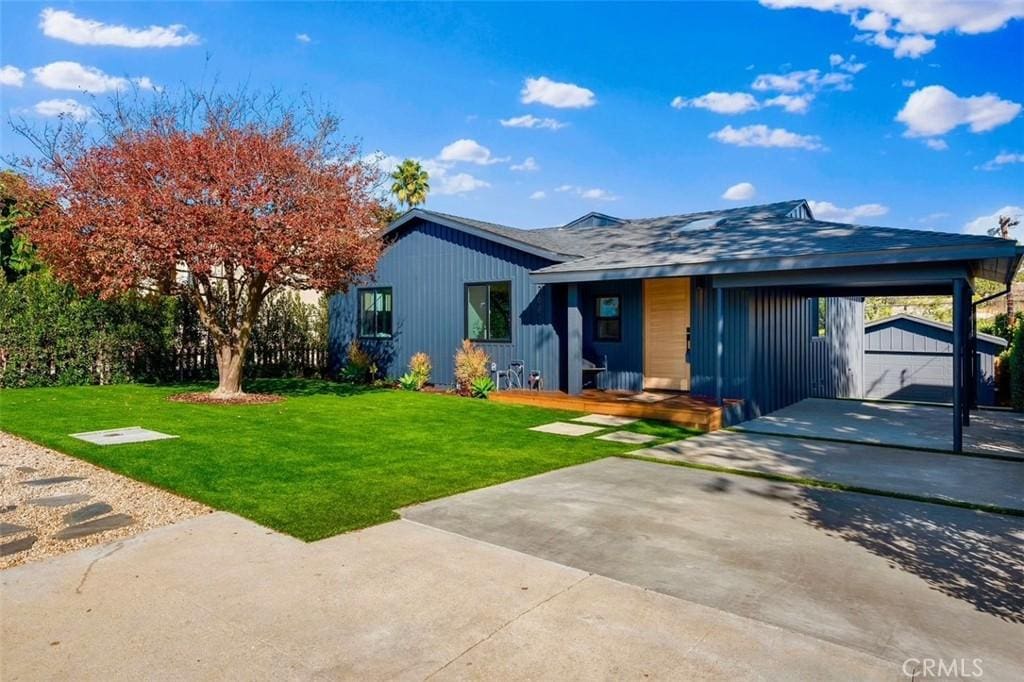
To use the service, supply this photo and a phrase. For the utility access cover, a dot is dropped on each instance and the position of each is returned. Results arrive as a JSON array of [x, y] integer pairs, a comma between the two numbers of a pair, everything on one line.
[[128, 434]]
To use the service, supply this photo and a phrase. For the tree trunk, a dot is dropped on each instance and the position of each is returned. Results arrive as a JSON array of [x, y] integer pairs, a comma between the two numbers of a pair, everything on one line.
[[230, 362]]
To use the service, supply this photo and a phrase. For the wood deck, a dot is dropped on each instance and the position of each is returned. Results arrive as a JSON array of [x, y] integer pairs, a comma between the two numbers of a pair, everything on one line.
[[677, 408]]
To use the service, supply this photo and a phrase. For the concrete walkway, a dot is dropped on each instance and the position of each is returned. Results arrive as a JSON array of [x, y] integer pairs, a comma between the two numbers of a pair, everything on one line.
[[974, 480], [886, 577], [218, 597], [993, 432]]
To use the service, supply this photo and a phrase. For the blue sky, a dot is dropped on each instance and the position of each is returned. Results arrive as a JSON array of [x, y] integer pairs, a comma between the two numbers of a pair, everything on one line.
[[909, 115]]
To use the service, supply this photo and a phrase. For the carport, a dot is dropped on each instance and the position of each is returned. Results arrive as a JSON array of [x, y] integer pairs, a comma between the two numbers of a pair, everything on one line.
[[927, 272]]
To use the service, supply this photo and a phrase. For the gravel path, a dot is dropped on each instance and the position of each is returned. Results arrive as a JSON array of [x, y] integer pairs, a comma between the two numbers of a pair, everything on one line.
[[100, 506]]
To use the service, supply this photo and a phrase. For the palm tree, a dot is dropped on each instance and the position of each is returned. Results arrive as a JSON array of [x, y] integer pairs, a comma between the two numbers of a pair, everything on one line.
[[411, 183]]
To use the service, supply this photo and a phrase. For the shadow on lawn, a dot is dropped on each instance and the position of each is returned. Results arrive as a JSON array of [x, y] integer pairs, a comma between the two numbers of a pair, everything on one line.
[[293, 388]]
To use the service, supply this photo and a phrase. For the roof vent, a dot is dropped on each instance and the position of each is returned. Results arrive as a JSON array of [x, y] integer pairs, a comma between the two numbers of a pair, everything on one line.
[[594, 219], [700, 224]]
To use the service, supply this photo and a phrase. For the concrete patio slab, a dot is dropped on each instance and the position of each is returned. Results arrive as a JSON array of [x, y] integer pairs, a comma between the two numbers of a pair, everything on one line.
[[219, 597], [628, 437], [974, 480], [128, 434], [605, 420], [566, 429], [887, 577], [907, 425]]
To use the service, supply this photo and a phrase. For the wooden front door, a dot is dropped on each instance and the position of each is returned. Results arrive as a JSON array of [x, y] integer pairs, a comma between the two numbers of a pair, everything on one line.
[[666, 322]]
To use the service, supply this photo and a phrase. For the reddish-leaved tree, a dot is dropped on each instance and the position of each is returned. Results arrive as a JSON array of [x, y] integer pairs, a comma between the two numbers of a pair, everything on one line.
[[218, 199]]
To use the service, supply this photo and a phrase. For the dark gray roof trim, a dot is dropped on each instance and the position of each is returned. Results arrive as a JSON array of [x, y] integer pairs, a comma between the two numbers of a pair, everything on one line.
[[500, 234], [997, 340]]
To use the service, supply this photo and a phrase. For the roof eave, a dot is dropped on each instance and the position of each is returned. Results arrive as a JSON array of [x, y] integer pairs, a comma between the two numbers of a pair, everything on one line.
[[815, 261], [428, 216]]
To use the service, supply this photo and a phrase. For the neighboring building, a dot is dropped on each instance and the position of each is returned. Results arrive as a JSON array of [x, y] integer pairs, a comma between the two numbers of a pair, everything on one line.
[[761, 303], [911, 358]]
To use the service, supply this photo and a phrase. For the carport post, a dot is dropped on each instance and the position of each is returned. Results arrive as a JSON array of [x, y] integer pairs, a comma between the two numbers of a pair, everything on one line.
[[959, 308], [719, 342]]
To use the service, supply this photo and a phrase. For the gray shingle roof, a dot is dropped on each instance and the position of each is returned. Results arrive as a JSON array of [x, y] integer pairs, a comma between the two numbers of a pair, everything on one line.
[[739, 234]]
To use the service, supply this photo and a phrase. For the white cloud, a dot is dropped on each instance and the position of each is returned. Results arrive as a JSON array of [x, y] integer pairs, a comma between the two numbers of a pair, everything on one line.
[[460, 183], [794, 81], [598, 194], [530, 121], [762, 136], [385, 163], [908, 83], [913, 46], [442, 183], [593, 193], [64, 25], [528, 164], [936, 143], [913, 20], [720, 102], [848, 64], [13, 76], [935, 110], [826, 210], [543, 90], [63, 107], [1001, 159], [982, 224], [740, 192], [303, 38], [74, 76], [539, 194], [794, 104], [469, 151]]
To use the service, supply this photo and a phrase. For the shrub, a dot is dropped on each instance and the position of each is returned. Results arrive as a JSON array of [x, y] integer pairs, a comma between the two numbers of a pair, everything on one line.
[[360, 367], [481, 386], [409, 382], [1016, 352], [51, 336], [1000, 325], [471, 363], [420, 368]]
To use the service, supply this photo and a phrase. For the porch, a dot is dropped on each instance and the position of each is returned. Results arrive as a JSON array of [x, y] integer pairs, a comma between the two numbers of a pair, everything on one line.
[[683, 409]]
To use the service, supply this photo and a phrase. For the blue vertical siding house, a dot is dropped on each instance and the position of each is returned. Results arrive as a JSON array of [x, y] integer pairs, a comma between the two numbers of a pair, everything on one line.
[[761, 304]]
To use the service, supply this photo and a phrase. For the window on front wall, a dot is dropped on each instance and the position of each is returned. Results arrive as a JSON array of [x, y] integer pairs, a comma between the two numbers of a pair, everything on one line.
[[489, 311], [375, 313], [819, 317], [608, 319]]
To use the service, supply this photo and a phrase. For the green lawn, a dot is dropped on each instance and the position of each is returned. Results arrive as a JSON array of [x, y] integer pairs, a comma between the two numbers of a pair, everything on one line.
[[328, 459]]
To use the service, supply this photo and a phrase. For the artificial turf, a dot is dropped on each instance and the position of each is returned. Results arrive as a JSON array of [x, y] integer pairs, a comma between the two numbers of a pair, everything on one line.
[[329, 458]]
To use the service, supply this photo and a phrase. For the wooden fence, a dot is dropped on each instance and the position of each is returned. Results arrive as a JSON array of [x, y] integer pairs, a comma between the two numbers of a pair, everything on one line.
[[200, 362]]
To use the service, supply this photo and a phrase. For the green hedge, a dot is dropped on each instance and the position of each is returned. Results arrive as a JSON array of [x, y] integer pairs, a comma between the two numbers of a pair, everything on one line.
[[1016, 353], [51, 336]]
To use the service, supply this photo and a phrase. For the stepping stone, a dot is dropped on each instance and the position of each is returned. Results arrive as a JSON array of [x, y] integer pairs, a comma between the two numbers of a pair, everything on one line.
[[15, 546], [628, 437], [52, 481], [26, 470], [129, 434], [87, 512], [10, 529], [566, 429], [8, 507], [605, 420], [95, 526], [59, 500]]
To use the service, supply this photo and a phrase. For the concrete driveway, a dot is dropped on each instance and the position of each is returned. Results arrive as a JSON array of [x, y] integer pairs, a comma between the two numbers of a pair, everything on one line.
[[887, 577], [218, 597], [993, 432], [974, 480]]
